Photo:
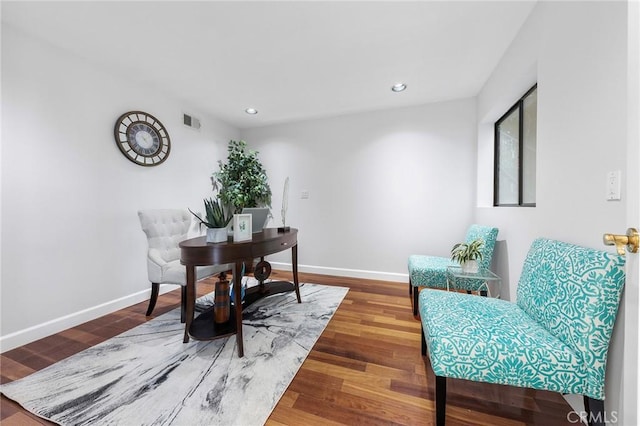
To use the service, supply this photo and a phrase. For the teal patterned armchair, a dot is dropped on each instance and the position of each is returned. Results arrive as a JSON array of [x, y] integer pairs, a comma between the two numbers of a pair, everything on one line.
[[431, 271], [554, 337]]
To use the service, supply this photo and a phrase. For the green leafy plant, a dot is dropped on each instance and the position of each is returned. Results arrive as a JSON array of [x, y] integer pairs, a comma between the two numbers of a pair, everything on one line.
[[463, 252], [242, 181], [216, 215]]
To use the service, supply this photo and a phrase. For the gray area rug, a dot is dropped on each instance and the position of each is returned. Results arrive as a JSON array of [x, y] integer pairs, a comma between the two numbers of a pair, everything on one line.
[[147, 376]]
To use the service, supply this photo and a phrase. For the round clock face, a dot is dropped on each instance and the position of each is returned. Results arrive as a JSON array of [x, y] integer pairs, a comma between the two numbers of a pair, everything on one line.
[[142, 138]]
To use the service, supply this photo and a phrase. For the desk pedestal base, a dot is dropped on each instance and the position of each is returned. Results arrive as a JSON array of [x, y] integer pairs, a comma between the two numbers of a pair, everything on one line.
[[204, 326]]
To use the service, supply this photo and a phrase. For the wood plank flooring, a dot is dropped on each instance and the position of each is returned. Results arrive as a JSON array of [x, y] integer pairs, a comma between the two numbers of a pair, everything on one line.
[[365, 369]]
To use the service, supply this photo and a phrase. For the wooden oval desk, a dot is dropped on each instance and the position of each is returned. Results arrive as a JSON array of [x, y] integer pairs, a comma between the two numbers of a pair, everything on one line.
[[197, 252]]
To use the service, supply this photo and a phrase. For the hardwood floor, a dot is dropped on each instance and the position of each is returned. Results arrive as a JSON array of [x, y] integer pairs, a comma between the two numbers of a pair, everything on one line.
[[366, 367]]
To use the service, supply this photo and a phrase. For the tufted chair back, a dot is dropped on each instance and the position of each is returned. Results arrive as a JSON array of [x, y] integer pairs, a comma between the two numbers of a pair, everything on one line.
[[164, 230]]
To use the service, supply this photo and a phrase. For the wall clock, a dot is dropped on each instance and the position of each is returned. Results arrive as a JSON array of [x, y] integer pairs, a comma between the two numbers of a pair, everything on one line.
[[142, 138]]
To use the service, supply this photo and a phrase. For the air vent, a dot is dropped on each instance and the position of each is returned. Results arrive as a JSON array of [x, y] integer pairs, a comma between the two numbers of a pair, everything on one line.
[[191, 121]]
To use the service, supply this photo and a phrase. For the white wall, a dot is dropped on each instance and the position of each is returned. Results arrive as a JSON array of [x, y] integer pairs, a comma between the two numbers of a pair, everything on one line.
[[576, 51], [72, 247], [382, 185]]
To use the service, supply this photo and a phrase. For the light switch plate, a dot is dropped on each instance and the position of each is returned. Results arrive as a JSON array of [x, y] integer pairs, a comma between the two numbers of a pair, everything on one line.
[[613, 185]]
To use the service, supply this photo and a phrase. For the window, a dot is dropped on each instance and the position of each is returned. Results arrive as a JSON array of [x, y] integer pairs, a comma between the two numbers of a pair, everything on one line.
[[515, 153]]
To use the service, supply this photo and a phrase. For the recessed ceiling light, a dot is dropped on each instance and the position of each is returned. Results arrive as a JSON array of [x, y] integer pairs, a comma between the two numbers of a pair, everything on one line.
[[251, 111], [398, 87]]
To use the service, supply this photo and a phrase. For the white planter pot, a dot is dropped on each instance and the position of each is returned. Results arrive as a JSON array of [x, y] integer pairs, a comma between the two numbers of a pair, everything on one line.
[[470, 267], [216, 235]]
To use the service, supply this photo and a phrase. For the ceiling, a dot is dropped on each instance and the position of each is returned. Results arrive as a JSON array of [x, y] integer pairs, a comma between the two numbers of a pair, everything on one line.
[[291, 60]]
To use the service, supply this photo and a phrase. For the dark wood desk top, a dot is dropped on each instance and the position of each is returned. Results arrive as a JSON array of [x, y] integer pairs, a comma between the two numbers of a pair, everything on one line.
[[197, 252]]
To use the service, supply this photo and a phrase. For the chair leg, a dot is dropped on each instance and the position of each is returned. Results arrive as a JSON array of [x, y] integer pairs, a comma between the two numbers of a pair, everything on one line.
[[415, 301], [423, 347], [183, 304], [441, 399], [155, 289], [595, 411]]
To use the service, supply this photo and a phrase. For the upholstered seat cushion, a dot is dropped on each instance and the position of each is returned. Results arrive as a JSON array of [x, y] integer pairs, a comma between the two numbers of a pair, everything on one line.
[[491, 340], [429, 271], [175, 273]]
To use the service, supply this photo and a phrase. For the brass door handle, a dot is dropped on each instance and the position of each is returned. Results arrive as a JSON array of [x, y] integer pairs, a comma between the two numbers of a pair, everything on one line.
[[630, 240]]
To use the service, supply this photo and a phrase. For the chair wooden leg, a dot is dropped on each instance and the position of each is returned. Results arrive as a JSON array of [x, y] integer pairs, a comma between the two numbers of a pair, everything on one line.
[[423, 347], [595, 411], [415, 301], [183, 304], [441, 399], [155, 289]]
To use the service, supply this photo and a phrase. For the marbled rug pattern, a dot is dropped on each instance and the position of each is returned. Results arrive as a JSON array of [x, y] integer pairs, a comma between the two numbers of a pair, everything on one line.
[[147, 376]]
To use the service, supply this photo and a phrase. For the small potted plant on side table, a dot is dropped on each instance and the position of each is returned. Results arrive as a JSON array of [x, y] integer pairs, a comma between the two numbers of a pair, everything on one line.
[[217, 220], [467, 255]]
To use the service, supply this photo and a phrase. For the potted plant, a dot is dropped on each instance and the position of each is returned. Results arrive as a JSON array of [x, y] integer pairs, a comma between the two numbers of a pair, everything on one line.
[[242, 181], [217, 218], [467, 255]]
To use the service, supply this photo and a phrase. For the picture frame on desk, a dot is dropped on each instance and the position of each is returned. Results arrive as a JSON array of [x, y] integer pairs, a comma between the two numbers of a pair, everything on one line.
[[241, 227]]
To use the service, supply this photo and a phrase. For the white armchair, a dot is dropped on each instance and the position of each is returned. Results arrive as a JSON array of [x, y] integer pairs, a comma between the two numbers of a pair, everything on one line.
[[165, 229]]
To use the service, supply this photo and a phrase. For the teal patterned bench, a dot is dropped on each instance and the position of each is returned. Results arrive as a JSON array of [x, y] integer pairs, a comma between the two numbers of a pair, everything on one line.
[[554, 337], [431, 271]]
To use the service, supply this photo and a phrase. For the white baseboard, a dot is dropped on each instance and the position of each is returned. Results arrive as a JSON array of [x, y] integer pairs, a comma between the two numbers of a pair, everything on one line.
[[31, 334], [343, 272]]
